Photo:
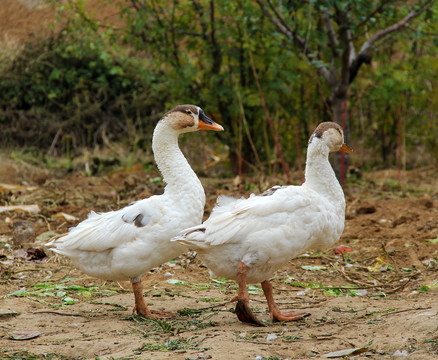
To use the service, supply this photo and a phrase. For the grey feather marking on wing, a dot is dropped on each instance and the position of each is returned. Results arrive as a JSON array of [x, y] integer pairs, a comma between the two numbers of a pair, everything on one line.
[[139, 220], [272, 190]]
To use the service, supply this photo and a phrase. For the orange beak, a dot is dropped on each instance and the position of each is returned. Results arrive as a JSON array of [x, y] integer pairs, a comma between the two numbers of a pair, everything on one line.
[[205, 123], [346, 148]]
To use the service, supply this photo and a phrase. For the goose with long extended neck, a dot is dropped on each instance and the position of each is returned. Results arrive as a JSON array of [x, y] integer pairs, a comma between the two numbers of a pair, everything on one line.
[[125, 244], [249, 239]]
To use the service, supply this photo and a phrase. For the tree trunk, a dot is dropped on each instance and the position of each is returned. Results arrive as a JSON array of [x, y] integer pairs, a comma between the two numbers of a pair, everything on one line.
[[340, 162]]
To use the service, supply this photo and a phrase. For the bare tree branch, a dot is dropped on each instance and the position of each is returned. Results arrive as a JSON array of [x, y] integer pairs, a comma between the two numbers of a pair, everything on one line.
[[298, 41], [372, 13], [200, 11], [425, 33], [279, 16], [216, 50], [351, 46], [157, 10], [364, 55], [345, 71], [331, 35], [357, 63], [210, 37], [308, 28], [268, 117], [381, 34], [285, 30], [344, 33], [175, 48]]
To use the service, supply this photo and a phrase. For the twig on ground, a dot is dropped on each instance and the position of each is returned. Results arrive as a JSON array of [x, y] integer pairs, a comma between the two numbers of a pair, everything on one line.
[[400, 311], [56, 313], [215, 305]]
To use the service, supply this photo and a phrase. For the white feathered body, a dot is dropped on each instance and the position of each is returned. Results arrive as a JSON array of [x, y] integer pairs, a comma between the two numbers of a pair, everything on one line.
[[124, 244], [266, 231], [110, 246], [271, 230]]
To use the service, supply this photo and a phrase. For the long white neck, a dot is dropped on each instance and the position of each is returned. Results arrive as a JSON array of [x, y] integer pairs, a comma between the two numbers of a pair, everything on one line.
[[319, 173], [182, 182]]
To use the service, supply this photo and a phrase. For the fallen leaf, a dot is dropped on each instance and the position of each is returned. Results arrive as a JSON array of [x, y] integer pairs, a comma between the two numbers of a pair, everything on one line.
[[175, 282], [23, 335], [380, 265], [33, 209], [433, 241], [13, 187], [342, 249], [63, 215], [252, 290], [45, 236], [400, 353], [314, 267], [271, 337], [345, 352], [18, 292], [362, 292]]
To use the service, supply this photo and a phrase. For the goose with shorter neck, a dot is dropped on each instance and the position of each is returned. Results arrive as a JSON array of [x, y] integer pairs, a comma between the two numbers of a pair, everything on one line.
[[247, 240], [125, 244]]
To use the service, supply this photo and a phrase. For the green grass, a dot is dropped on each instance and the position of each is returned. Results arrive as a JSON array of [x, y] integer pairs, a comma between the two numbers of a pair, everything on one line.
[[188, 320], [26, 355], [222, 284], [61, 294], [168, 345]]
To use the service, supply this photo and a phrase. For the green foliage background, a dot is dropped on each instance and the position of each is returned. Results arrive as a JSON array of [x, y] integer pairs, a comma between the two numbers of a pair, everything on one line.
[[93, 81]]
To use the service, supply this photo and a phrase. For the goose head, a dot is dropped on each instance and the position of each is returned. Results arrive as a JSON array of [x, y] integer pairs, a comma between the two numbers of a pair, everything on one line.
[[330, 134], [189, 118]]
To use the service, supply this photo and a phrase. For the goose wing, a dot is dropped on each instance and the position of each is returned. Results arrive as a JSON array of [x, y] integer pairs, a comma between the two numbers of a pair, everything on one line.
[[103, 231], [233, 220]]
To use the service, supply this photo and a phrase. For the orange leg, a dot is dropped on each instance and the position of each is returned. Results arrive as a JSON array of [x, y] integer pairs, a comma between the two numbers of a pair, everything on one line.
[[243, 311], [276, 315], [140, 305]]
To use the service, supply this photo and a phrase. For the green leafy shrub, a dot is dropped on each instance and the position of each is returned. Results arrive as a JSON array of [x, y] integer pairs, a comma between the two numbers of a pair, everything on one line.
[[78, 83]]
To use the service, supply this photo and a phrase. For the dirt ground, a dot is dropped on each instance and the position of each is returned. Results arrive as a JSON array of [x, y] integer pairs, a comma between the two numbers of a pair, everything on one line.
[[379, 298], [22, 19]]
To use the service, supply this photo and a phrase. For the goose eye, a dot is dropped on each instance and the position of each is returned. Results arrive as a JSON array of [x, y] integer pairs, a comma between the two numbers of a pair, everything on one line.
[[189, 112]]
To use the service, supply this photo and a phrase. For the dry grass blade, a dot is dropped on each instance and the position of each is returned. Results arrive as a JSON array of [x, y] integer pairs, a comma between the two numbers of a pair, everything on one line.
[[395, 281], [166, 326]]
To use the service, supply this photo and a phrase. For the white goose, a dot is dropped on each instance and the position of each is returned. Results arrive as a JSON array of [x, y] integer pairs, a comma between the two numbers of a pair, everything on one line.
[[124, 244], [249, 239]]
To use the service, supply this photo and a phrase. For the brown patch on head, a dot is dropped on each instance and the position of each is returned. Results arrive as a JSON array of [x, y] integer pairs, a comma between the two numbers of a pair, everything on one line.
[[182, 116], [325, 126], [183, 109]]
